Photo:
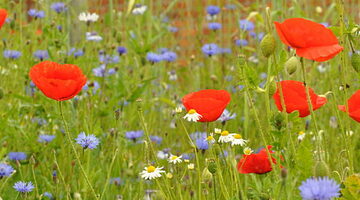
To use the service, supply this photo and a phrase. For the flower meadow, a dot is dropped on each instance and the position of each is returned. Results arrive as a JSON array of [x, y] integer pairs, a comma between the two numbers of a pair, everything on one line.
[[108, 102]]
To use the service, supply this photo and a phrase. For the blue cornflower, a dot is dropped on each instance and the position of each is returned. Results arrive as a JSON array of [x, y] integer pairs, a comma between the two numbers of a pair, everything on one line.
[[210, 49], [214, 26], [133, 135], [121, 50], [101, 71], [241, 43], [76, 52], [321, 188], [108, 59], [17, 156], [87, 141], [59, 7], [41, 54], [153, 57], [202, 144], [156, 139], [187, 156], [23, 187], [36, 13], [226, 116], [46, 138], [169, 56], [95, 86], [163, 50], [116, 181], [173, 29], [93, 36], [48, 195], [5, 170], [11, 54], [213, 10], [246, 25]]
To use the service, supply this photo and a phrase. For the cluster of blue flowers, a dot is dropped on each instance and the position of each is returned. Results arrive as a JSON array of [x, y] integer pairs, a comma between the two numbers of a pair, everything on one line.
[[164, 55]]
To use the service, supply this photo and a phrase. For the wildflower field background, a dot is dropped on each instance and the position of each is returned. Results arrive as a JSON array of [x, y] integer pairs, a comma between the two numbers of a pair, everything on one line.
[[133, 116]]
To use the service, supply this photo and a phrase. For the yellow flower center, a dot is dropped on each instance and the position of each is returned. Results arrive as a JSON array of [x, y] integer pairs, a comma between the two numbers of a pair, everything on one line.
[[247, 151], [210, 137], [150, 169], [301, 133], [224, 133], [192, 111], [237, 136], [173, 157]]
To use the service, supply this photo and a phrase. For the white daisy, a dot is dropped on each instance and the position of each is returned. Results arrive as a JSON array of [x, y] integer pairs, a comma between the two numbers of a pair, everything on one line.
[[175, 159], [151, 172], [248, 151], [210, 138], [192, 115], [139, 10], [301, 135], [88, 17], [225, 137], [237, 140]]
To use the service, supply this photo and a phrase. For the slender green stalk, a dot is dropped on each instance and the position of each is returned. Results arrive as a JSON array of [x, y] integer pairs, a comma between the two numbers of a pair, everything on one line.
[[75, 152], [109, 173]]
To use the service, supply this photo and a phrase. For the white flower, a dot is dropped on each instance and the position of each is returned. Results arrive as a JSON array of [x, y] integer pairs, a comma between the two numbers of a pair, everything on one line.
[[217, 130], [225, 137], [88, 17], [248, 151], [139, 10], [175, 159], [301, 135], [178, 109], [151, 172], [191, 166], [162, 155], [210, 138], [237, 140], [92, 36], [349, 133], [192, 115]]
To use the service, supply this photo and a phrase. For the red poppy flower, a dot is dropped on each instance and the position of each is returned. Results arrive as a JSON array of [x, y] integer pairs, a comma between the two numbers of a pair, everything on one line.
[[57, 81], [294, 93], [311, 40], [205, 105], [257, 163], [3, 15], [353, 106]]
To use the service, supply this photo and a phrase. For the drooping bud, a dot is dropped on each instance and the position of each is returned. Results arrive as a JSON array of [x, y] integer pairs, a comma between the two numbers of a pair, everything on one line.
[[291, 65], [321, 169], [267, 45], [355, 61]]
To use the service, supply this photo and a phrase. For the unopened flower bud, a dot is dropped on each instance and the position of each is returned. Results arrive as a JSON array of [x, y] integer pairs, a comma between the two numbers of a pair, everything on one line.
[[355, 61], [212, 167], [321, 169], [267, 45], [291, 65]]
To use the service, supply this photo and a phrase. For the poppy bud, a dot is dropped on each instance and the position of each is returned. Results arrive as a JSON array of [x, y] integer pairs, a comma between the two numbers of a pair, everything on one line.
[[206, 176], [267, 45], [212, 167], [355, 61], [321, 169], [284, 173], [272, 88], [291, 65]]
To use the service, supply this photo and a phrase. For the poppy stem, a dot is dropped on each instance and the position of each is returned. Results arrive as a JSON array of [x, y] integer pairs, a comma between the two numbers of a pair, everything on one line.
[[318, 142], [67, 133]]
